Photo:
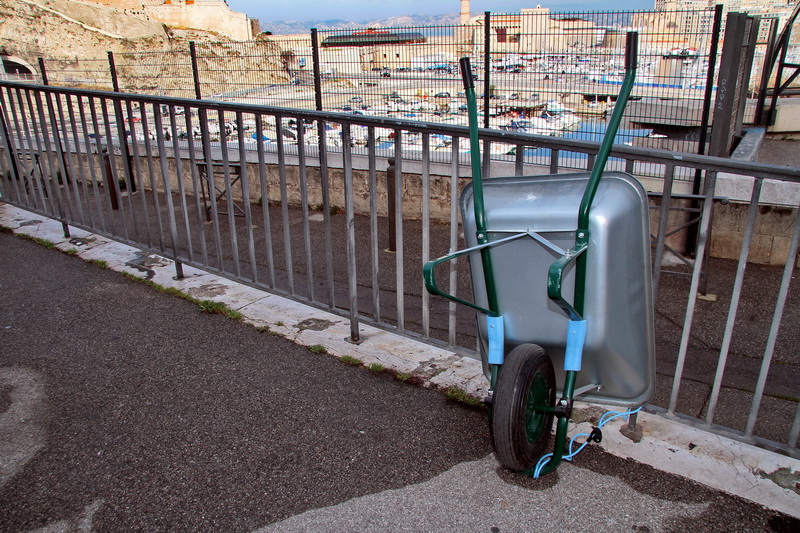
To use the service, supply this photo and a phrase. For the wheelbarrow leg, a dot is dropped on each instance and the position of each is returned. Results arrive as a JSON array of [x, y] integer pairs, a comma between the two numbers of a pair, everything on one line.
[[563, 412]]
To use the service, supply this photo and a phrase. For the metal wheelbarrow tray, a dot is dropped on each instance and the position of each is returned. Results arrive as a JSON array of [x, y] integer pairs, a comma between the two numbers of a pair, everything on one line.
[[618, 353]]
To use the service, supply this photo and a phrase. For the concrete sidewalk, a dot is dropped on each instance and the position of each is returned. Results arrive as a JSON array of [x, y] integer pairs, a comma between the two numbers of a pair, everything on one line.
[[362, 452]]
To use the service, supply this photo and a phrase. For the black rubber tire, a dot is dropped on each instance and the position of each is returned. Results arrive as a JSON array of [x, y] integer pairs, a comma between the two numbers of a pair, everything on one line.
[[526, 380]]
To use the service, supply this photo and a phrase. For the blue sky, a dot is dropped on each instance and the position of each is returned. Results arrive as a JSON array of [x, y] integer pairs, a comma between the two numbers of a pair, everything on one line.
[[357, 10]]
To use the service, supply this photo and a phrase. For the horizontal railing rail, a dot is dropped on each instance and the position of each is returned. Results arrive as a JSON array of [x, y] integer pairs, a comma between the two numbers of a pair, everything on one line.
[[341, 211]]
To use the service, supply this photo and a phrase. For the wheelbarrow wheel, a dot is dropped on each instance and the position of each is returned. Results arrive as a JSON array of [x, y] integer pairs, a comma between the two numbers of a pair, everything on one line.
[[525, 383]]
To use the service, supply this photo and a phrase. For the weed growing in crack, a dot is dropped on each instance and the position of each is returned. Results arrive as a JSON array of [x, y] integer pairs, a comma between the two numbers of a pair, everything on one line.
[[454, 393]]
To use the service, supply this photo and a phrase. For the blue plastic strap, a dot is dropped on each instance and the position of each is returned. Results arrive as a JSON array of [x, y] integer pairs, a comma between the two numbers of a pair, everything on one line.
[[576, 335], [494, 326]]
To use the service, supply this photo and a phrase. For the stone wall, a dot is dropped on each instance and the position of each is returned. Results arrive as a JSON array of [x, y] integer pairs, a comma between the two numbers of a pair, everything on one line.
[[209, 15]]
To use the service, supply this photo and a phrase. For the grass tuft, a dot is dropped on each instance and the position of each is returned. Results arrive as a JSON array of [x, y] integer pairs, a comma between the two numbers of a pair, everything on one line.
[[98, 262], [350, 360], [454, 393], [377, 368], [210, 306], [403, 376], [318, 348], [38, 240]]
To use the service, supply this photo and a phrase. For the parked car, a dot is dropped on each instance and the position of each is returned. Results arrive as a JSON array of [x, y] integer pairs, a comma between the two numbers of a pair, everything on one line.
[[356, 99], [443, 94]]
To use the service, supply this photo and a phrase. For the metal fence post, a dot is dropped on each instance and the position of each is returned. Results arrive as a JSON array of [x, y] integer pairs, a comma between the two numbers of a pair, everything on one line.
[[195, 71], [46, 81], [487, 62], [112, 67], [317, 74], [691, 238], [123, 138], [43, 71], [390, 205]]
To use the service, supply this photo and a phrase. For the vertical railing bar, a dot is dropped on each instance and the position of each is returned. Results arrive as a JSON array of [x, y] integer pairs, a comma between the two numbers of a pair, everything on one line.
[[38, 142], [148, 149], [248, 212], [777, 317], [112, 166], [705, 223], [226, 173], [352, 280], [28, 143], [326, 207], [666, 202], [126, 161], [98, 202], [373, 224], [23, 137], [629, 167], [173, 224], [54, 188], [10, 154], [137, 168], [453, 265], [426, 228], [61, 147], [519, 160], [398, 224], [554, 160], [8, 141], [176, 150], [262, 175], [199, 210], [211, 211], [794, 433], [287, 234], [301, 155], [79, 166], [733, 306]]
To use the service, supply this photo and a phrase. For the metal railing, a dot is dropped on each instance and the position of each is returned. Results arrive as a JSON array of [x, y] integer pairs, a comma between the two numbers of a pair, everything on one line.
[[305, 214]]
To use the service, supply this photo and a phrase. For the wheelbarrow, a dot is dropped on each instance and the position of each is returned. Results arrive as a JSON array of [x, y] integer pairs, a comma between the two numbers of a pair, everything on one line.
[[560, 268]]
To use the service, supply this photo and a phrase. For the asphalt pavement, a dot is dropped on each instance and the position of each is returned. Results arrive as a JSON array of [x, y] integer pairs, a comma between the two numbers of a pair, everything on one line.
[[127, 409]]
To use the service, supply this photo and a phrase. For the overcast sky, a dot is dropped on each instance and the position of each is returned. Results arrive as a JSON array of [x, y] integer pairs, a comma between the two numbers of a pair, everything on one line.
[[357, 10]]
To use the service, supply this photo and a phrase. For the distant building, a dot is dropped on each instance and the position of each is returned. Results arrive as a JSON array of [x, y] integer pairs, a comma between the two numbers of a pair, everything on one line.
[[373, 37]]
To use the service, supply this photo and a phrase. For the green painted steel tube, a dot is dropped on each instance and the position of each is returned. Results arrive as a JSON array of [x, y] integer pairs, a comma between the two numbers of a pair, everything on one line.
[[583, 238], [477, 184], [611, 131]]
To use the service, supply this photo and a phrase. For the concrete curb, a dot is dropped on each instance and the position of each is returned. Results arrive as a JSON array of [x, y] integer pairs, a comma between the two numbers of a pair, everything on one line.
[[721, 463]]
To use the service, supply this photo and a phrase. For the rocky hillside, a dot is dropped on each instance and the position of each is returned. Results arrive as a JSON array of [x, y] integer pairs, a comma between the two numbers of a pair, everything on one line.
[[74, 37]]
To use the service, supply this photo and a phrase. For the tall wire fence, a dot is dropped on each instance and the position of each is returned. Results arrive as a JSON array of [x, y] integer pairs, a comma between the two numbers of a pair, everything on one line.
[[555, 74]]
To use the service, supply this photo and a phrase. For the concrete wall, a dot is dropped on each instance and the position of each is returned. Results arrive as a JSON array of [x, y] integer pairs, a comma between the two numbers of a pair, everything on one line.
[[770, 244], [776, 216]]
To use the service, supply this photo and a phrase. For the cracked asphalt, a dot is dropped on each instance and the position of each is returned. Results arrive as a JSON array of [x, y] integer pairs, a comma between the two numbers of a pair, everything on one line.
[[125, 409]]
